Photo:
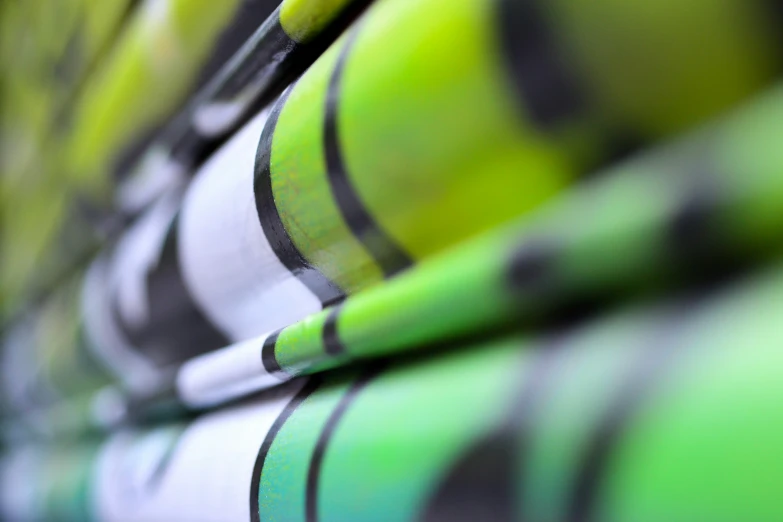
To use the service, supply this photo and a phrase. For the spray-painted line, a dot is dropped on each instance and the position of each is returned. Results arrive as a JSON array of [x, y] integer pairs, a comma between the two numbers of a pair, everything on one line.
[[284, 248]]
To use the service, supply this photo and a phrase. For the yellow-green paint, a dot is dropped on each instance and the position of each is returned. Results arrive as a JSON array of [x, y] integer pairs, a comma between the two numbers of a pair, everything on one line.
[[302, 20], [301, 189], [436, 142], [143, 80], [657, 67], [430, 133]]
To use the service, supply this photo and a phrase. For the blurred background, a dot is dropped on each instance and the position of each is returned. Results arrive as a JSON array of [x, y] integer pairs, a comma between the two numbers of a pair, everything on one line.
[[391, 260]]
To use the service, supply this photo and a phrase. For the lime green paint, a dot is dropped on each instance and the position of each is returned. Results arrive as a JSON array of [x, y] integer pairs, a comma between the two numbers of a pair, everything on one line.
[[282, 489], [401, 432], [302, 20], [301, 188], [612, 236], [144, 78], [300, 348], [430, 133], [706, 444]]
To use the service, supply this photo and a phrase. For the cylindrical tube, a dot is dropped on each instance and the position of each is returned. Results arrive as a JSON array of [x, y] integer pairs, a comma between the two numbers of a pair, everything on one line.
[[380, 156], [274, 54], [271, 232], [664, 412], [697, 209]]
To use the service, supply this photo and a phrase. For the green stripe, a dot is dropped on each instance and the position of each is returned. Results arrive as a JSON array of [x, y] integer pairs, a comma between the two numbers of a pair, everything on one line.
[[283, 481]]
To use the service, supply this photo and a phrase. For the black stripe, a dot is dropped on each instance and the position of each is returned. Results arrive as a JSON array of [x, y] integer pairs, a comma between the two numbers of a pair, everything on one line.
[[160, 405], [234, 62], [485, 482], [255, 483], [176, 329], [332, 344], [314, 471], [268, 357], [700, 250], [538, 73], [638, 383], [531, 268], [774, 13], [620, 145], [326, 291], [543, 296], [255, 35], [387, 253], [251, 77], [690, 228]]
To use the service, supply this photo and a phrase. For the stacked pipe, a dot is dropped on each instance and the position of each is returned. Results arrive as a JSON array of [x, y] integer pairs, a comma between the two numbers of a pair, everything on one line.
[[416, 260]]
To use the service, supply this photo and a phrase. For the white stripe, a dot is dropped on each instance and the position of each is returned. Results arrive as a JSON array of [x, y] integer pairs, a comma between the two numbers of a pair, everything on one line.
[[226, 374], [136, 255], [210, 471], [226, 260], [214, 118]]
